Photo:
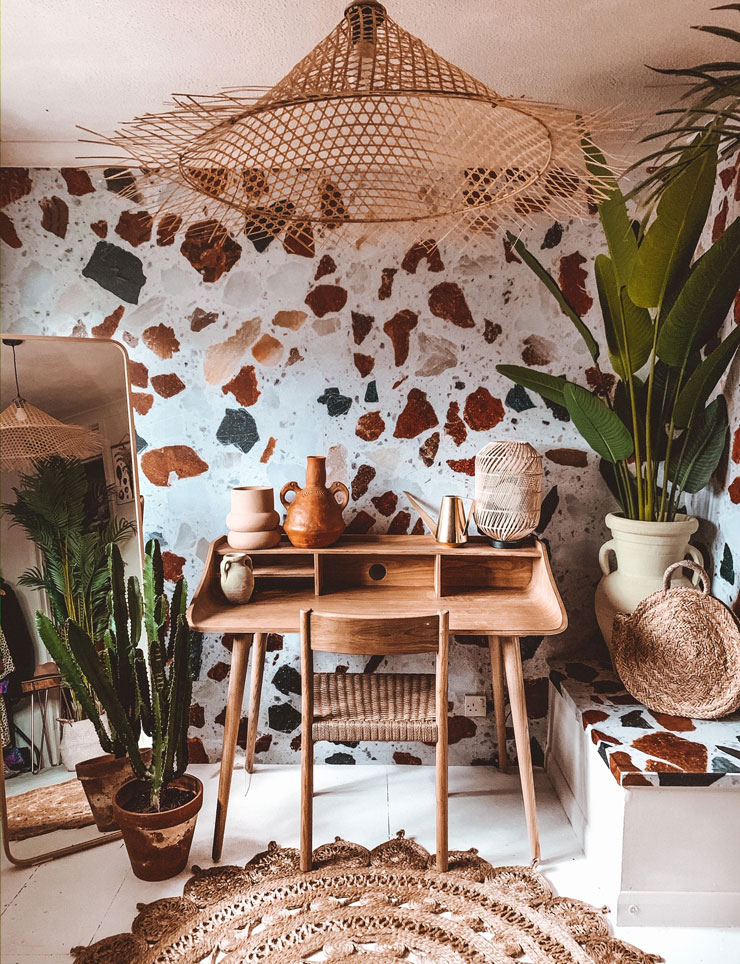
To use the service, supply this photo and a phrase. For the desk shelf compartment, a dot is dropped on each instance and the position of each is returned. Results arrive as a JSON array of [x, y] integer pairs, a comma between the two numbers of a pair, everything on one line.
[[466, 575], [338, 572]]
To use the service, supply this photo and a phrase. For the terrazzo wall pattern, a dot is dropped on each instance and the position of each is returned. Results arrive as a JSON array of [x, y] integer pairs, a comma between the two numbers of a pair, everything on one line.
[[245, 361]]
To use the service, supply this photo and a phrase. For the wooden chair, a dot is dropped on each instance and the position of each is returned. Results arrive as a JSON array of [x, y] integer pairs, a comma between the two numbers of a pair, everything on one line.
[[373, 706]]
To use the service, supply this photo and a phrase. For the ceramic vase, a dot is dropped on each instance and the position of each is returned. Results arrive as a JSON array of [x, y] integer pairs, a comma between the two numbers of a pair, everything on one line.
[[314, 517], [237, 578], [643, 551], [253, 522]]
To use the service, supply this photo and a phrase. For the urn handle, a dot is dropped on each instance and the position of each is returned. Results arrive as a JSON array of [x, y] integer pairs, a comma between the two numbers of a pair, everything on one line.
[[289, 487], [700, 573], [342, 488], [699, 560], [604, 556]]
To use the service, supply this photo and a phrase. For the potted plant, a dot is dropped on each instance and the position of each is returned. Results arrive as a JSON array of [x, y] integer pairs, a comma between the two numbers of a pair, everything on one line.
[[157, 810], [650, 422], [68, 519], [122, 662]]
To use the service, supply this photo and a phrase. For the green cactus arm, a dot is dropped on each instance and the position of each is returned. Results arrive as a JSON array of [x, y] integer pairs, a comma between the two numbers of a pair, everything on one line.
[[177, 610], [143, 693], [135, 611], [87, 659], [178, 696], [158, 685], [117, 599], [70, 671]]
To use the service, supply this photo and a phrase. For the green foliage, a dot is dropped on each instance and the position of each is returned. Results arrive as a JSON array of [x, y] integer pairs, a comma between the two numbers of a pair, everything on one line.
[[60, 512], [710, 103], [659, 311], [157, 701]]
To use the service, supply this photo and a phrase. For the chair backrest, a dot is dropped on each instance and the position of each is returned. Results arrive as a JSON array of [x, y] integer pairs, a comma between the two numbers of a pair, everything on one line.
[[374, 636]]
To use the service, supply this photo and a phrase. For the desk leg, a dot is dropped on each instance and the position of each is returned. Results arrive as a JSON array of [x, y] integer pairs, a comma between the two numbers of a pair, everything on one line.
[[499, 700], [255, 694], [515, 682], [237, 678]]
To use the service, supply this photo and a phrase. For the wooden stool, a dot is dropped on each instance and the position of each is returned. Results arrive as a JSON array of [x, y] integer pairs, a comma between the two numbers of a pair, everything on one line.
[[41, 685]]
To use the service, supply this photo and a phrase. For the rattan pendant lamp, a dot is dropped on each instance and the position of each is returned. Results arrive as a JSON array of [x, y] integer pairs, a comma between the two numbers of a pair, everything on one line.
[[27, 433], [371, 132]]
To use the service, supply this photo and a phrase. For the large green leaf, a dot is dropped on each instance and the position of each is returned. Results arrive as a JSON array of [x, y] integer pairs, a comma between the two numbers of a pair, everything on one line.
[[548, 386], [694, 460], [669, 244], [552, 286], [704, 300], [700, 385], [629, 329], [600, 426], [615, 219]]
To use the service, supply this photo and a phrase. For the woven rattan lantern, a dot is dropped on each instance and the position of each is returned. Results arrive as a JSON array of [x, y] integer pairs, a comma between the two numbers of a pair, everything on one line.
[[508, 491], [371, 131], [27, 433]]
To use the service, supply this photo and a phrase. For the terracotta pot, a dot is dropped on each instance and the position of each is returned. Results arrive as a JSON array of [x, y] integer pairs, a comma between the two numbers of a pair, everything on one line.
[[314, 518], [101, 778], [253, 522], [158, 844], [643, 550]]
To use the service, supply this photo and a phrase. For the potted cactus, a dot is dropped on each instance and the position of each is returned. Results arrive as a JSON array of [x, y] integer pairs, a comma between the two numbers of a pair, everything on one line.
[[121, 659], [158, 809]]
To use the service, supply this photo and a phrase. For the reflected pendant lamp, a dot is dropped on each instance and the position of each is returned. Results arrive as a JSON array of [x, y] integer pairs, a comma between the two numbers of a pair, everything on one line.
[[372, 132], [27, 433]]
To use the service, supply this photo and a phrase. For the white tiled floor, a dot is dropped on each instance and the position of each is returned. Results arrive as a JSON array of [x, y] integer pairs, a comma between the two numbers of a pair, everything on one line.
[[79, 899]]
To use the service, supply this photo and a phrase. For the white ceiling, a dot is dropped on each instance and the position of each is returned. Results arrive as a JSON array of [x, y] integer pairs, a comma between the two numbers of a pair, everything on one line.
[[65, 376], [99, 62]]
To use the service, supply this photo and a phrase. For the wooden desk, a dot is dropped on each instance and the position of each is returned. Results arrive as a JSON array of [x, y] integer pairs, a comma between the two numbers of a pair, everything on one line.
[[501, 593]]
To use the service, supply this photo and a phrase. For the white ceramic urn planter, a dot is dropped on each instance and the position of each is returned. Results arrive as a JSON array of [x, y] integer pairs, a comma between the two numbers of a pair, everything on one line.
[[643, 552]]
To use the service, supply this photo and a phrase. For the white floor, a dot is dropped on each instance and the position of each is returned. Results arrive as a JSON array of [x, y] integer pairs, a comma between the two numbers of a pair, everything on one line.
[[82, 898]]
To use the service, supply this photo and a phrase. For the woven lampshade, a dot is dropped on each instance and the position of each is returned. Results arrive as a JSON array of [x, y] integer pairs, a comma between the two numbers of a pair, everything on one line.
[[371, 130], [508, 490], [27, 433]]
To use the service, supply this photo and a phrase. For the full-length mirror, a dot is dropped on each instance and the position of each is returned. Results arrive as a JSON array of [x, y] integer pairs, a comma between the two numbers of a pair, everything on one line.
[[69, 492]]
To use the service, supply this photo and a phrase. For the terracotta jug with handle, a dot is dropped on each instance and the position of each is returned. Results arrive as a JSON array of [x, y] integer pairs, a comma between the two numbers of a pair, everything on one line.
[[314, 516]]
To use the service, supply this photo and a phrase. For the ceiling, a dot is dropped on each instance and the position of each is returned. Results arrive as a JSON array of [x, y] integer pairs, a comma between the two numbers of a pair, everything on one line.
[[100, 62], [64, 376]]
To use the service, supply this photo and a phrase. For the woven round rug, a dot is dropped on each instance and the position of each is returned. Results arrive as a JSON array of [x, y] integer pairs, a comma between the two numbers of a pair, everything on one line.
[[384, 906]]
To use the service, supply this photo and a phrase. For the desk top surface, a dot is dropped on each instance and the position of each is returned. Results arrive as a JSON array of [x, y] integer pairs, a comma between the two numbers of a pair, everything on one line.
[[508, 611]]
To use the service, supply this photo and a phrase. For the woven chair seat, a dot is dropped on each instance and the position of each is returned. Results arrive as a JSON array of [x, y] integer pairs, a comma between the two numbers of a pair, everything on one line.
[[374, 706]]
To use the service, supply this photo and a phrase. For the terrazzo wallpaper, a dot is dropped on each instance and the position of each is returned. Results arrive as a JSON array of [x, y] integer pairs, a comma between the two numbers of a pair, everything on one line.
[[245, 361]]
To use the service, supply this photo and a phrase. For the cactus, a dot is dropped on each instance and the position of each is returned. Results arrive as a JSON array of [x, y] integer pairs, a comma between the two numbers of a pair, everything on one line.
[[157, 701]]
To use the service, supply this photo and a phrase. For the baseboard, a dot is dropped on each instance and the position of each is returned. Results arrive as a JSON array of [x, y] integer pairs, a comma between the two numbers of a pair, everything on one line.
[[649, 908]]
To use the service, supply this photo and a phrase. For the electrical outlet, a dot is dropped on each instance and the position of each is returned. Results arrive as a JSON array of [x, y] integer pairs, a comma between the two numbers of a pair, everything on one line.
[[475, 706]]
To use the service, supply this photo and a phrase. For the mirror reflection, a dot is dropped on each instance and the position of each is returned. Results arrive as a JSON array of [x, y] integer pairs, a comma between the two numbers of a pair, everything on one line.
[[69, 492]]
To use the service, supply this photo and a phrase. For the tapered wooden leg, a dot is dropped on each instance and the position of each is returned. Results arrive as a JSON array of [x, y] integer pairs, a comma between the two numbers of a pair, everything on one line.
[[306, 800], [442, 803], [237, 678], [499, 700], [255, 694], [515, 683]]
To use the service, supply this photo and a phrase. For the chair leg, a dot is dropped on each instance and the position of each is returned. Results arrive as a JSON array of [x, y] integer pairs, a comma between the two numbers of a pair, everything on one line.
[[442, 803], [499, 700], [515, 681], [306, 801]]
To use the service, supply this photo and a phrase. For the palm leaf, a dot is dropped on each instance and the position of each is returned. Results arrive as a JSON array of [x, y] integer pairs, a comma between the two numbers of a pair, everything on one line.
[[600, 426]]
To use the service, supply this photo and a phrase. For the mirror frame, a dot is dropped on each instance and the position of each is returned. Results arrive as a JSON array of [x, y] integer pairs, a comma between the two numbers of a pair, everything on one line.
[[102, 838]]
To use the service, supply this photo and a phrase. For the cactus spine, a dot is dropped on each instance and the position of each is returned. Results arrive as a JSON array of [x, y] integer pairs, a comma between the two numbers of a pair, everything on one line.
[[157, 701]]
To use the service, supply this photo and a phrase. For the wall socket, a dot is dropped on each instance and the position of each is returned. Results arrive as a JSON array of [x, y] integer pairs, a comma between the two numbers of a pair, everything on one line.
[[475, 706]]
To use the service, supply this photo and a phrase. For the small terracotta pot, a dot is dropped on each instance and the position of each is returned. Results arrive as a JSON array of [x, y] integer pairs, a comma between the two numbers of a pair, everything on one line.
[[101, 778], [158, 844], [253, 522]]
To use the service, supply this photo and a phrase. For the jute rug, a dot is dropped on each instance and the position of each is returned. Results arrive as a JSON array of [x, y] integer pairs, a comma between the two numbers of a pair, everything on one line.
[[358, 906], [62, 806]]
